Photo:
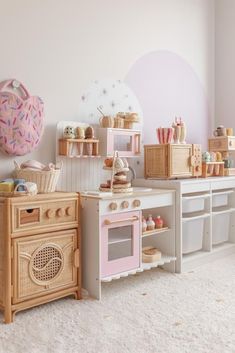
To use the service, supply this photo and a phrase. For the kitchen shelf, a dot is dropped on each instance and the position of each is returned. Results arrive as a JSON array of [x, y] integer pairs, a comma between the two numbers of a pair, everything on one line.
[[66, 147], [155, 231], [165, 259], [81, 156], [117, 240]]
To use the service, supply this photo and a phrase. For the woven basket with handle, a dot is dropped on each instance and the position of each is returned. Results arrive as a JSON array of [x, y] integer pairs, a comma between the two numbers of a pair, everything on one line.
[[46, 180]]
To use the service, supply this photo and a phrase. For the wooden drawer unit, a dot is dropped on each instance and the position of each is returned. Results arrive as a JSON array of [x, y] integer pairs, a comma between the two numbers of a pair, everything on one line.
[[39, 250], [39, 215], [222, 144]]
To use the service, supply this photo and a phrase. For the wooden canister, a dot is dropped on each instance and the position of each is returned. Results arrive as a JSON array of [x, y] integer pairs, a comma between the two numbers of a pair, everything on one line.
[[106, 121]]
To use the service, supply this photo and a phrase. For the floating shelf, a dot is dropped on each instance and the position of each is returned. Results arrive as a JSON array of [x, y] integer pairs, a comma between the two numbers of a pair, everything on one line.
[[165, 259], [155, 231]]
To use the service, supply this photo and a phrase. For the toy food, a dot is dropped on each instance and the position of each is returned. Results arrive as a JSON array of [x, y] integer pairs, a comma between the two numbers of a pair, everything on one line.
[[69, 132], [158, 222], [206, 157], [144, 225], [89, 132], [108, 162], [80, 132], [151, 254], [150, 223]]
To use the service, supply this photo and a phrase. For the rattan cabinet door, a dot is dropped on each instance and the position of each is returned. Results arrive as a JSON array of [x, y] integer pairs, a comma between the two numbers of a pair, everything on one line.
[[43, 264]]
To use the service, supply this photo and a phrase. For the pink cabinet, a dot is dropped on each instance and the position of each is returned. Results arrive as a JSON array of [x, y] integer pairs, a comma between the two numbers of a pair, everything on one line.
[[125, 141], [120, 242]]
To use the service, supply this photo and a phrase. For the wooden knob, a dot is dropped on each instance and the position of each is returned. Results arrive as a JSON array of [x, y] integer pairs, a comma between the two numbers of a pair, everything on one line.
[[125, 204], [69, 211], [136, 203], [60, 212], [49, 213], [113, 206]]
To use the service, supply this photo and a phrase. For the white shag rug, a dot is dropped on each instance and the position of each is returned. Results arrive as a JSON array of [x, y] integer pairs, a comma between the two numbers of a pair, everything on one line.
[[152, 312]]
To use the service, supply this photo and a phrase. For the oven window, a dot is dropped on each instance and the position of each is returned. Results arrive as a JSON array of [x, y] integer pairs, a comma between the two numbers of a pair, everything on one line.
[[122, 143], [120, 242]]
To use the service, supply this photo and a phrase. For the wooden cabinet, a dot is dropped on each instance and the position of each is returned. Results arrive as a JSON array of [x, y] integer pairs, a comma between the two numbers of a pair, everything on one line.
[[222, 144], [39, 250]]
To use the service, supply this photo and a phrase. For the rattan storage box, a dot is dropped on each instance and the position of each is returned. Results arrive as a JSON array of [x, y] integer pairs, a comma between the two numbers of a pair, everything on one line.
[[39, 250]]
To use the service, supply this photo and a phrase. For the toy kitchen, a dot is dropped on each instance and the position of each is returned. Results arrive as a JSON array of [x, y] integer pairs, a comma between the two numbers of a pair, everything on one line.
[[130, 225]]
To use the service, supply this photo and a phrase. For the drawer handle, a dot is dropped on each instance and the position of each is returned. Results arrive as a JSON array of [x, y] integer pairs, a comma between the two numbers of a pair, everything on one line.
[[132, 219], [76, 258]]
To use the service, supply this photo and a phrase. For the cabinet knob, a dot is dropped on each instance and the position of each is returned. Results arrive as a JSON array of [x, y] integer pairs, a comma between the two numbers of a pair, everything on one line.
[[113, 206], [69, 211], [50, 213], [60, 212], [125, 204], [136, 203]]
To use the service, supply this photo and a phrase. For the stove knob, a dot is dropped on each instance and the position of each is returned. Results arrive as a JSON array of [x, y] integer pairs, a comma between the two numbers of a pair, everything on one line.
[[136, 203], [60, 212], [113, 206], [50, 213], [69, 211], [125, 204]]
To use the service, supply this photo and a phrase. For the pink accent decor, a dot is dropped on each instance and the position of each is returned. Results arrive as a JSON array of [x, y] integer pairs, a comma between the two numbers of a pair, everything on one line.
[[21, 119], [167, 86]]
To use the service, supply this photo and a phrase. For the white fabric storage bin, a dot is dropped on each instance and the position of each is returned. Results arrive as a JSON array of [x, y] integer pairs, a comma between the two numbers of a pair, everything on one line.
[[220, 198], [220, 227], [192, 233], [193, 203]]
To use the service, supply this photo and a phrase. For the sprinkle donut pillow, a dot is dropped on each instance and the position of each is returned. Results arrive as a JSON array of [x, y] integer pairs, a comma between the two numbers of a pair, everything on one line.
[[21, 119]]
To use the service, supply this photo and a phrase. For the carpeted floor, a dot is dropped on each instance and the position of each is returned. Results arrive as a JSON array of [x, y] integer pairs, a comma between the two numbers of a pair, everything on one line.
[[152, 312]]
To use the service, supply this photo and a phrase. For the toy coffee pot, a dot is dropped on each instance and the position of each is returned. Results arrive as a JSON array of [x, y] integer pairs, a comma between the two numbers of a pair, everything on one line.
[[220, 131]]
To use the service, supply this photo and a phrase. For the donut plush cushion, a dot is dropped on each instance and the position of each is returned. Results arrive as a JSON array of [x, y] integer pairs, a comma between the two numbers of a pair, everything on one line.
[[21, 119]]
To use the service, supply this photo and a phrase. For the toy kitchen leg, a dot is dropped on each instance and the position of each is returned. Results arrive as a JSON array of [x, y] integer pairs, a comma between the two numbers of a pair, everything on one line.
[[91, 278]]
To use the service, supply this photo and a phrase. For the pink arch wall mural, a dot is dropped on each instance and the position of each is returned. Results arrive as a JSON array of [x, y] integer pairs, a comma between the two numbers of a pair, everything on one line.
[[167, 86]]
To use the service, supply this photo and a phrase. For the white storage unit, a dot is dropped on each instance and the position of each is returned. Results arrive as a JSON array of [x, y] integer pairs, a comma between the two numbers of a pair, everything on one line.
[[201, 196], [220, 198], [220, 226], [193, 203], [193, 233]]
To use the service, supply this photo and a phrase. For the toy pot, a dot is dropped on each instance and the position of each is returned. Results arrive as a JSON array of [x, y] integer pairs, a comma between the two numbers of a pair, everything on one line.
[[220, 131], [106, 121]]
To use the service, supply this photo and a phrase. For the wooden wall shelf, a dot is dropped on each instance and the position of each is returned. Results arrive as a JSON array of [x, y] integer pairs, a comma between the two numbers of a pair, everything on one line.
[[78, 147]]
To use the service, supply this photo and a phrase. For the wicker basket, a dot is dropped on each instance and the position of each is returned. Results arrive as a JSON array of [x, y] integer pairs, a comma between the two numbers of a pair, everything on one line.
[[46, 180], [118, 122]]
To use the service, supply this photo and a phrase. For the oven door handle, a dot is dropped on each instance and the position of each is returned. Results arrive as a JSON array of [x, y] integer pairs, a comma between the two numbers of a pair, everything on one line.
[[107, 222]]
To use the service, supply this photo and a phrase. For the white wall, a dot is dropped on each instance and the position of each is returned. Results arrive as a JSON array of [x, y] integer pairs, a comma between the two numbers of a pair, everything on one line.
[[57, 47], [225, 62]]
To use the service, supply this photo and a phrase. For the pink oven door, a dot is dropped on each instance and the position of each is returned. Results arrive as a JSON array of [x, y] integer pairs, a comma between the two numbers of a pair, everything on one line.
[[120, 243]]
